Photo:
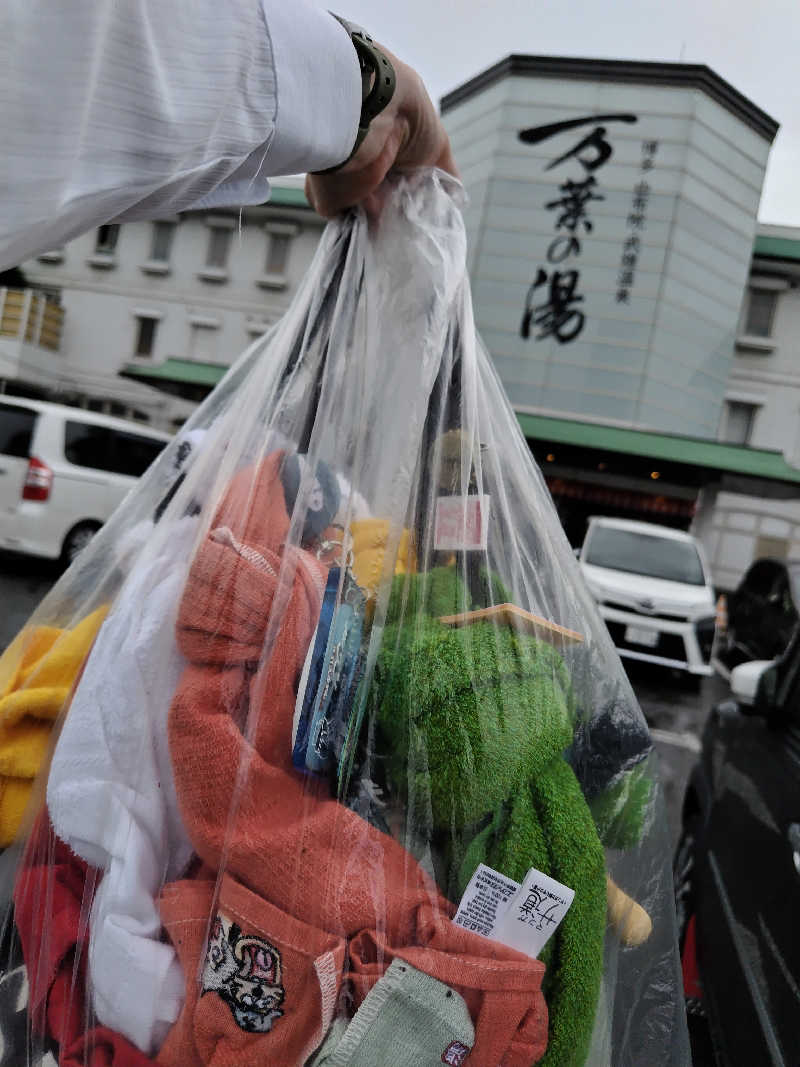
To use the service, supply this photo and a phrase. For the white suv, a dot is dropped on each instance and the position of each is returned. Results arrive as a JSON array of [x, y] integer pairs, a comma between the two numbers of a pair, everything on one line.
[[653, 589], [63, 471]]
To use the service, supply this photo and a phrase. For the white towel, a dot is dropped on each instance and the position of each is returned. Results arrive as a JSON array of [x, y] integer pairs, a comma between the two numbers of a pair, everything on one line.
[[111, 795]]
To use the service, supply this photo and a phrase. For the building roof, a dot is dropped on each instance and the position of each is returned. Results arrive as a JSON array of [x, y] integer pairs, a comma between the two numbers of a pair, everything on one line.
[[681, 75], [180, 370], [769, 247], [287, 196], [695, 451]]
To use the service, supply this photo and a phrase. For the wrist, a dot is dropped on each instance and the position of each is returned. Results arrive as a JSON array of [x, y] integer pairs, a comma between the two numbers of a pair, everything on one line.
[[378, 82]]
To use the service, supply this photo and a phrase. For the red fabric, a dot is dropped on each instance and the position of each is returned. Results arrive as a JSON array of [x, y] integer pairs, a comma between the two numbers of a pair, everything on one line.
[[245, 629], [691, 972], [52, 898]]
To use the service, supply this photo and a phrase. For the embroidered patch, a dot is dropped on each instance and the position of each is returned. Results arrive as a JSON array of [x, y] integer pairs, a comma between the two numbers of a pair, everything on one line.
[[455, 1053], [246, 972]]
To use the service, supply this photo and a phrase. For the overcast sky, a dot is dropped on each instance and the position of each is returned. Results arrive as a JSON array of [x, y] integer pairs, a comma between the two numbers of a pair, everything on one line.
[[753, 44]]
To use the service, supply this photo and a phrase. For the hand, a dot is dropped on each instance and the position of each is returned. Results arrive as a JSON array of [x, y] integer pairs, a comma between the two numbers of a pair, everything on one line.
[[407, 133]]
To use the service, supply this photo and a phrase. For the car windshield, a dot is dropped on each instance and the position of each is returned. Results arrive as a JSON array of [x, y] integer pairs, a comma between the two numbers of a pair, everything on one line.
[[648, 554]]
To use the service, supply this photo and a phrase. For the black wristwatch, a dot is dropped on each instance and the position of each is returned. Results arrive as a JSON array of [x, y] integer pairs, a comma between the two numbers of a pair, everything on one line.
[[378, 82]]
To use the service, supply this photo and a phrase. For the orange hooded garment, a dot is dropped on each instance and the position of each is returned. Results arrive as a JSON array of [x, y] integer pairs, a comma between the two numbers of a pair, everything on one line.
[[248, 614]]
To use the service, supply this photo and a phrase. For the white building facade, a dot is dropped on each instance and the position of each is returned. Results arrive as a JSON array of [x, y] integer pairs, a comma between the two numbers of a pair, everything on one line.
[[761, 410], [619, 279], [155, 312], [613, 211]]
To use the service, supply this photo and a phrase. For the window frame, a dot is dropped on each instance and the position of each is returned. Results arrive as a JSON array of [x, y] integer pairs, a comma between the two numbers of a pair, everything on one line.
[[104, 255], [760, 292], [753, 407], [154, 321], [211, 271], [275, 276]]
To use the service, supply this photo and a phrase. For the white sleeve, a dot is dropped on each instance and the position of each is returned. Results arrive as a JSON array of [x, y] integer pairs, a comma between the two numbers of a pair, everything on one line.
[[127, 109]]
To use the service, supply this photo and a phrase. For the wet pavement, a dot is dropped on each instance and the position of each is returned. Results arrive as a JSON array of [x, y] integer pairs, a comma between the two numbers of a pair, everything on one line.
[[23, 583]]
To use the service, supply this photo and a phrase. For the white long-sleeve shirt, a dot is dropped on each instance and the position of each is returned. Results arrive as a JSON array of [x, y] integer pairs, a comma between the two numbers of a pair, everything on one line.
[[116, 110]]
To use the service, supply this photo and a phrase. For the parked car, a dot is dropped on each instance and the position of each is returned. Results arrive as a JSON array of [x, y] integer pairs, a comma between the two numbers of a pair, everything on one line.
[[63, 471], [762, 613], [653, 589], [737, 868]]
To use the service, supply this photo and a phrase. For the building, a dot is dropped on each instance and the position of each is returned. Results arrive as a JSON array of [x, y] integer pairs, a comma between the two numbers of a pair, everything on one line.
[[762, 410], [151, 314], [611, 223]]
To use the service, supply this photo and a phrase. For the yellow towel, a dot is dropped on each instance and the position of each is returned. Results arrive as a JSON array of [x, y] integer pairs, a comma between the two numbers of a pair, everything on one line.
[[369, 547], [14, 793], [37, 673]]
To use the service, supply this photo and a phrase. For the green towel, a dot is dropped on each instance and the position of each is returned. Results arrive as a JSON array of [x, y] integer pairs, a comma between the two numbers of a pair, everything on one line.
[[473, 725]]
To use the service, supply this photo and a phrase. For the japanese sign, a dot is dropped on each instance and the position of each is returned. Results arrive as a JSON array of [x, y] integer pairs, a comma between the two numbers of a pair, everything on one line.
[[554, 303], [637, 221]]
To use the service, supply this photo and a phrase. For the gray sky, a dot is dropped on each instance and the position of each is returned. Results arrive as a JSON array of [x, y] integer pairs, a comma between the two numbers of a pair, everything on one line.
[[753, 44]]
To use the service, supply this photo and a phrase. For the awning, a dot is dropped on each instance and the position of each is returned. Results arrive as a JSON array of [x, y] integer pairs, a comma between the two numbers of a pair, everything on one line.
[[776, 247], [738, 461], [180, 370]]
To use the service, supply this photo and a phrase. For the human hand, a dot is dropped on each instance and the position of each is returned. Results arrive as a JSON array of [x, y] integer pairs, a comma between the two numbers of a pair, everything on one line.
[[407, 133]]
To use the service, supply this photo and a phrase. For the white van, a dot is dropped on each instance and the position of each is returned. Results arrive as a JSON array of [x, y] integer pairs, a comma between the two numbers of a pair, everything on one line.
[[63, 471], [654, 590]]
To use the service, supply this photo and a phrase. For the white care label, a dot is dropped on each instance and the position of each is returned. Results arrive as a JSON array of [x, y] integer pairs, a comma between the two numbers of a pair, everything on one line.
[[462, 523], [534, 914], [524, 917], [485, 901]]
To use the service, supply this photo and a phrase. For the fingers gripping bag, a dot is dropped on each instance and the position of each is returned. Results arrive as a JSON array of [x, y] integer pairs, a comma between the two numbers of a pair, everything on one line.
[[336, 762]]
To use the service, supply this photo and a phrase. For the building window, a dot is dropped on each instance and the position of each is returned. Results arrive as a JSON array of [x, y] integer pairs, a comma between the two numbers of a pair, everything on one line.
[[220, 232], [760, 312], [279, 242], [105, 247], [106, 242], [772, 548], [161, 243], [277, 253], [219, 243], [739, 421], [203, 342], [145, 335]]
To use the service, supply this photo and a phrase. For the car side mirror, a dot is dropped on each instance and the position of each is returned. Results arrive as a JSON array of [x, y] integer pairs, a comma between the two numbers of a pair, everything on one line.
[[754, 686]]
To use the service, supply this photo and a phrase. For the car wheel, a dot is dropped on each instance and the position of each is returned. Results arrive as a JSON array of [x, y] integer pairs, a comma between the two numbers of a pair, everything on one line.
[[77, 539], [683, 875]]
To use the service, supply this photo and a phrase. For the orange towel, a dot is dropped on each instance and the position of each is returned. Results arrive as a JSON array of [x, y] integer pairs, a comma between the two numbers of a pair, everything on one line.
[[245, 629]]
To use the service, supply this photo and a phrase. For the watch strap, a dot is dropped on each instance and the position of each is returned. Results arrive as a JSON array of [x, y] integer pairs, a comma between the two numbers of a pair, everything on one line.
[[378, 81]]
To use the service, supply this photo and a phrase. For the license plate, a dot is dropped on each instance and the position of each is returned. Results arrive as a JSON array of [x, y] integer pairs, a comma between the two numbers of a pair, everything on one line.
[[638, 635]]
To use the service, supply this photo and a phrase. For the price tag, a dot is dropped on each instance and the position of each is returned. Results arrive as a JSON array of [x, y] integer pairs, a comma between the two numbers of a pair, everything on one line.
[[462, 523], [534, 914]]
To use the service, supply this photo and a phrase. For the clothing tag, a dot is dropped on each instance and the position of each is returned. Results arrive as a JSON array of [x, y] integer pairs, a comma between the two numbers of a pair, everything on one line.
[[462, 523], [485, 901], [534, 914]]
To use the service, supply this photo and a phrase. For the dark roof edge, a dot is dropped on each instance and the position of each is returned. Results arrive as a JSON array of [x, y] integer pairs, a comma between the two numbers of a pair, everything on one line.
[[685, 75]]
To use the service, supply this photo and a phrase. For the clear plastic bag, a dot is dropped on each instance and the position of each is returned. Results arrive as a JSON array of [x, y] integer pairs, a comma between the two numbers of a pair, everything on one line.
[[352, 773]]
